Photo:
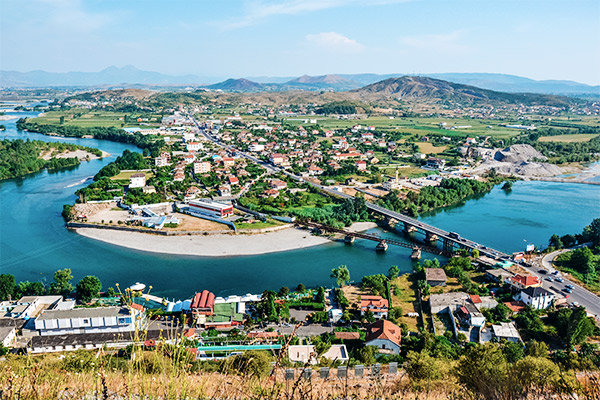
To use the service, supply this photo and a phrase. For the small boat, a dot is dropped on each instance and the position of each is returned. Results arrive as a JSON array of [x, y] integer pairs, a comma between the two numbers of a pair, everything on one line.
[[416, 253], [381, 246], [138, 287]]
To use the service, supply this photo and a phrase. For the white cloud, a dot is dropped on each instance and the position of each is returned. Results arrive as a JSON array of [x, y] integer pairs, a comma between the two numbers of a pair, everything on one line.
[[257, 11], [334, 41], [442, 43]]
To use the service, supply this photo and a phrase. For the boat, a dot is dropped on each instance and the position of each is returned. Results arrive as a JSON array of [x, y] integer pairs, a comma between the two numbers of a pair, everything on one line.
[[416, 253], [382, 246], [138, 287]]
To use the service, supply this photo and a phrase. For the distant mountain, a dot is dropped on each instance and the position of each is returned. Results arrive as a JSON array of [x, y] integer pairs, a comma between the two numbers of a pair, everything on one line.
[[127, 75], [424, 88], [237, 85]]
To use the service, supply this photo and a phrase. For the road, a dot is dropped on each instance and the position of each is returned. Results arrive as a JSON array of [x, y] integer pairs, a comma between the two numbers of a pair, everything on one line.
[[579, 295]]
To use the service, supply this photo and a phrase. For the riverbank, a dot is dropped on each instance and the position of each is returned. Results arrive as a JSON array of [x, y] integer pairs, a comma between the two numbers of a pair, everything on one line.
[[81, 155], [214, 245]]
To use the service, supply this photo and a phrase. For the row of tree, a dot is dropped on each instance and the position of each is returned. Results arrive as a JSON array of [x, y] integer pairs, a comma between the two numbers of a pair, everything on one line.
[[85, 290]]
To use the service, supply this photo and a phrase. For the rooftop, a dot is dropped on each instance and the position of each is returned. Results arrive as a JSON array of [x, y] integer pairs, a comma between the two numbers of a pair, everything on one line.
[[506, 330], [446, 299], [84, 313], [384, 329], [435, 274]]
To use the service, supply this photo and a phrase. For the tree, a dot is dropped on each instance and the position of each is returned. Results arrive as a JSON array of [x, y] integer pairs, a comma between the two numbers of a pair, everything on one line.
[[7, 286], [300, 288], [62, 283], [513, 351], [393, 272], [320, 298], [483, 370], [535, 372], [475, 253], [341, 275], [422, 368], [580, 326], [556, 242], [88, 288], [283, 292], [30, 289], [537, 349]]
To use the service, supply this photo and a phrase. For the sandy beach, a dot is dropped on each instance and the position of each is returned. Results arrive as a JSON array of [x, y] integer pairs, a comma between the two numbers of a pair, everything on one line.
[[214, 245]]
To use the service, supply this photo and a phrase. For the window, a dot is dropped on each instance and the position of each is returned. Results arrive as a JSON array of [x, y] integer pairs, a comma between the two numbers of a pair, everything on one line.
[[124, 321], [86, 321]]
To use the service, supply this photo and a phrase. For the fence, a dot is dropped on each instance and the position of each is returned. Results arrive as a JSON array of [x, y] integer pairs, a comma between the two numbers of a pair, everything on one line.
[[356, 372]]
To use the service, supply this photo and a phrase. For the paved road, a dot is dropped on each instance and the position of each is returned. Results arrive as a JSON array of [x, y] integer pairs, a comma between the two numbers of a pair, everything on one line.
[[548, 274]]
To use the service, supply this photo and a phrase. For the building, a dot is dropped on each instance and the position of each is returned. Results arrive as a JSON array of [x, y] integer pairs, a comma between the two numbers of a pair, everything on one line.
[[233, 180], [506, 331], [471, 314], [435, 276], [202, 167], [536, 297], [256, 148], [193, 146], [452, 300], [521, 282], [498, 274], [376, 304], [278, 184], [211, 208], [203, 303], [435, 163], [361, 165], [228, 162], [224, 190], [30, 306], [306, 353], [161, 161], [277, 159], [87, 320], [384, 335], [137, 180], [8, 336]]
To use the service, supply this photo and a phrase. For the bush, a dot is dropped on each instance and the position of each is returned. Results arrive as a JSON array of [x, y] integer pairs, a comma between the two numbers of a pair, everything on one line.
[[252, 363]]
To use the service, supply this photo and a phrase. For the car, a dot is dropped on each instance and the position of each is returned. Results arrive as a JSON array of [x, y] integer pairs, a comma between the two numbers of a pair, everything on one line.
[[559, 279], [575, 304], [568, 290], [454, 235], [570, 286], [548, 279], [542, 271], [555, 273]]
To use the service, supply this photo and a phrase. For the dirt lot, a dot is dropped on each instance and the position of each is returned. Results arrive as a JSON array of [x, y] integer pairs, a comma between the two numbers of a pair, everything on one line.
[[189, 223]]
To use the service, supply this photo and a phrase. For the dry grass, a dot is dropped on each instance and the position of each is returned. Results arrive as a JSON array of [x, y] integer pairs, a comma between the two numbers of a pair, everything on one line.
[[574, 138], [407, 300], [429, 148], [125, 175]]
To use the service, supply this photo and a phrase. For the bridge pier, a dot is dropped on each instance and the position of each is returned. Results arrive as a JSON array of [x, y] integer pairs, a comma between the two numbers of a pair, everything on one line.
[[349, 239], [408, 228], [448, 245], [381, 246], [431, 238]]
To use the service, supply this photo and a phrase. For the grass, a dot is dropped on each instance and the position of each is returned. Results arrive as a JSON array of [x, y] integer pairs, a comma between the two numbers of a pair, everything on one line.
[[85, 118], [407, 299], [410, 172], [429, 148], [248, 226], [125, 175], [575, 138]]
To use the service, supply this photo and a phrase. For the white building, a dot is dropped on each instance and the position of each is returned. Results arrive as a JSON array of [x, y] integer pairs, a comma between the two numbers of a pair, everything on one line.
[[137, 180], [201, 167], [255, 147], [306, 353], [8, 335], [87, 320], [193, 146], [507, 331], [537, 297], [161, 161]]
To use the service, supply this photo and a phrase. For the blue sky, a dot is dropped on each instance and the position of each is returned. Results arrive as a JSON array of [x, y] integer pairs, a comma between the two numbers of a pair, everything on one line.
[[543, 39]]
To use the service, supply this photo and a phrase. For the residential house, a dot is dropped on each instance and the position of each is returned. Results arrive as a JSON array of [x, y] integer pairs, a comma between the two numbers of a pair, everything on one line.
[[189, 158], [521, 282], [536, 297], [8, 336], [161, 161], [435, 276], [498, 274], [314, 170], [384, 335], [435, 163], [507, 331], [193, 146], [452, 300], [376, 304], [228, 162], [278, 184], [233, 180], [137, 180], [277, 158], [361, 165], [471, 314], [178, 176], [271, 193], [224, 190]]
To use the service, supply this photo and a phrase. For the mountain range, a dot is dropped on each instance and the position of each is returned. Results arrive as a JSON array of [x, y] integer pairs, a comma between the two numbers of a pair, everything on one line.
[[130, 76]]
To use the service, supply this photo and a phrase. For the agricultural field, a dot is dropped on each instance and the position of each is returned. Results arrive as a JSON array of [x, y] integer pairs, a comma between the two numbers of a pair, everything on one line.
[[575, 138], [86, 118], [125, 175], [429, 148], [409, 172]]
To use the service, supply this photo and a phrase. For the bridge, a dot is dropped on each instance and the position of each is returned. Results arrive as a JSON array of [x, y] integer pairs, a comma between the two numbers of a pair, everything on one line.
[[375, 238], [451, 241]]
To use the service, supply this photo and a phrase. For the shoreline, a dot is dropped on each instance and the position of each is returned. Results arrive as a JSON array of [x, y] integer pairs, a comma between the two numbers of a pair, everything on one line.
[[220, 245]]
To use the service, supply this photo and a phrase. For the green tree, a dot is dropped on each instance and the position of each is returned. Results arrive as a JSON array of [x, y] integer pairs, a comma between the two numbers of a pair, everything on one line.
[[283, 292], [251, 363], [7, 286], [393, 272], [62, 283], [341, 275], [483, 370], [580, 326], [475, 253], [30, 289], [537, 349], [556, 242], [300, 288], [513, 351], [535, 372], [88, 288], [422, 368]]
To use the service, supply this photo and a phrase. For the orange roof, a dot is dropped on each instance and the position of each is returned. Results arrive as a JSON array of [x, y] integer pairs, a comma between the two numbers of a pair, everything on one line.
[[384, 329], [190, 332], [347, 335], [475, 299], [373, 302], [515, 306], [525, 280], [137, 306]]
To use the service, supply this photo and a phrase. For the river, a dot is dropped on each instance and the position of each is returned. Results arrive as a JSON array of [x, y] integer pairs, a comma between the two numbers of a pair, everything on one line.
[[34, 242]]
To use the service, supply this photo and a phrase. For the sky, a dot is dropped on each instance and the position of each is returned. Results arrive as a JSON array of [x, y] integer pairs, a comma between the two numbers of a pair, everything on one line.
[[538, 39]]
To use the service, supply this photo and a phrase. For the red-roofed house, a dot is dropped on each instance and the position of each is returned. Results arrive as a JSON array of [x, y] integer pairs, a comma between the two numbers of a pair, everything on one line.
[[233, 180], [203, 303], [361, 165], [516, 306], [376, 304], [384, 335], [520, 282], [475, 299]]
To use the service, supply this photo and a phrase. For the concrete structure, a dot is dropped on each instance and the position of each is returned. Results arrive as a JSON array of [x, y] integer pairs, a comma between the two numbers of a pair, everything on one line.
[[436, 276], [88, 320], [212, 208], [435, 163], [452, 300], [498, 275], [202, 167], [384, 335], [306, 353], [471, 314], [30, 306], [203, 303], [193, 146], [8, 334], [536, 297], [506, 331], [137, 180], [376, 304]]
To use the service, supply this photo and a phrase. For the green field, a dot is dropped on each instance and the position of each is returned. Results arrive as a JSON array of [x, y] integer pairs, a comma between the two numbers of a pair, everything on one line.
[[575, 138], [86, 118], [125, 175]]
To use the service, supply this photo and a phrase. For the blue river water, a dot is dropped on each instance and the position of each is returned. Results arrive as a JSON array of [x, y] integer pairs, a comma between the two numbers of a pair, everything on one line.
[[34, 242]]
